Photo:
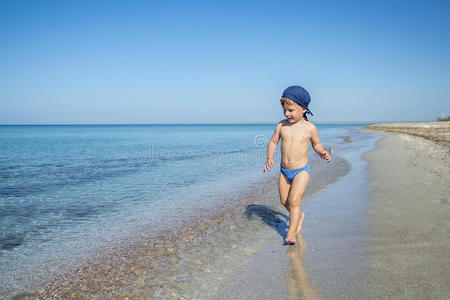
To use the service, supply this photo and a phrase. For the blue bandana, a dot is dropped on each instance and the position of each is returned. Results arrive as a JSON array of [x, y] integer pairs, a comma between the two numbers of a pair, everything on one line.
[[299, 95]]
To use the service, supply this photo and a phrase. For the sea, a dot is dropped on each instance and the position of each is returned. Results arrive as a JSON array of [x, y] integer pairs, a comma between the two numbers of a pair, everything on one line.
[[72, 195]]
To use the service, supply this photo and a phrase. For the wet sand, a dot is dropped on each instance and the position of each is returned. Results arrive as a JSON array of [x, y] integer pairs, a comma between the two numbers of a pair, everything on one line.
[[410, 214]]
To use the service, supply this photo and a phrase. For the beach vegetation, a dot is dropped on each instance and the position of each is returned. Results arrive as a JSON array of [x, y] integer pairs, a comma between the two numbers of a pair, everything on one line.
[[443, 117]]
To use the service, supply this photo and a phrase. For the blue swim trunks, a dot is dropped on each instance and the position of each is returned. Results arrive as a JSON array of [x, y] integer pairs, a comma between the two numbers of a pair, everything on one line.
[[290, 174]]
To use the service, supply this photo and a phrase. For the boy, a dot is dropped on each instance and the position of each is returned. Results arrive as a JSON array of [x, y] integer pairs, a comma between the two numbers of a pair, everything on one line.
[[295, 133]]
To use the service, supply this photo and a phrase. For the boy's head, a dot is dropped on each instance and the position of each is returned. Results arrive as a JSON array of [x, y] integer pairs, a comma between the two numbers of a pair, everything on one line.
[[296, 94]]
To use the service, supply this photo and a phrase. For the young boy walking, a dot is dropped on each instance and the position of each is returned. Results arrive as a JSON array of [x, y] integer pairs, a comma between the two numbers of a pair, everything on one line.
[[295, 132]]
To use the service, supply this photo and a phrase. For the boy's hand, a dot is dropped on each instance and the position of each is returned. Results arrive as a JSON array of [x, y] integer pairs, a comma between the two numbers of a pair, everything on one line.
[[325, 155], [268, 165]]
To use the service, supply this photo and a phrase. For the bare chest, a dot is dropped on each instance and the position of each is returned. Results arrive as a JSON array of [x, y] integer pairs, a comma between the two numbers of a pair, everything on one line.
[[295, 134]]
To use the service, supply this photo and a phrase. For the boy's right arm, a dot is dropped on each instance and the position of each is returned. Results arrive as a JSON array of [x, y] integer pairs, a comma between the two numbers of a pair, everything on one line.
[[272, 147]]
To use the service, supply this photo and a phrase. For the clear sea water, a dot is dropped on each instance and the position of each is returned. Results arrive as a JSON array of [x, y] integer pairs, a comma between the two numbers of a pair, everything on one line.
[[66, 190]]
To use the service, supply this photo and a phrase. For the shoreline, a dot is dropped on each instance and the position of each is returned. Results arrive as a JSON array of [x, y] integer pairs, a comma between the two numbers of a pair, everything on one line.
[[180, 263], [330, 257], [126, 267], [391, 241]]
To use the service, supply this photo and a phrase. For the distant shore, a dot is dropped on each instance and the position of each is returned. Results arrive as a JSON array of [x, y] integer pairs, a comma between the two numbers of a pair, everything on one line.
[[438, 132]]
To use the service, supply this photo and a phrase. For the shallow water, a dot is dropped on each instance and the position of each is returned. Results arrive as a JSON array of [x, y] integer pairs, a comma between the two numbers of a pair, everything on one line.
[[73, 194]]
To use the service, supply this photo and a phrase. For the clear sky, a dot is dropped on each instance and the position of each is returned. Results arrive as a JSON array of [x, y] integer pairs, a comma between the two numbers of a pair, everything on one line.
[[66, 62]]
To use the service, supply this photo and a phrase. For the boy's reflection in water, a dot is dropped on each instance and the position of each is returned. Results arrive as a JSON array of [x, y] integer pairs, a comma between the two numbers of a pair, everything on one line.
[[297, 279]]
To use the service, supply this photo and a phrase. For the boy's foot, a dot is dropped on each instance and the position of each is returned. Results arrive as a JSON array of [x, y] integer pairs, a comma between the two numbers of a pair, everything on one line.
[[290, 241], [300, 223]]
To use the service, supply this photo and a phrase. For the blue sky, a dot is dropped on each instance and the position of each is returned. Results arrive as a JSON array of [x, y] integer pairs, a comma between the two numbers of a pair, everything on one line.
[[77, 62]]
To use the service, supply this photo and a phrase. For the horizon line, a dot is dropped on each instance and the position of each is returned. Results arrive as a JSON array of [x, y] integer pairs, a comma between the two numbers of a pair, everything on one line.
[[219, 123]]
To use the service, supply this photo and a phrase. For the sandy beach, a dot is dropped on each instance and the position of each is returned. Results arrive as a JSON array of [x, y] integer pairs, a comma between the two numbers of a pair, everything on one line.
[[410, 214]]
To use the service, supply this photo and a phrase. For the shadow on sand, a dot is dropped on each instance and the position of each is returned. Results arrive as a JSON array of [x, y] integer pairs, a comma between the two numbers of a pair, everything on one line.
[[274, 219]]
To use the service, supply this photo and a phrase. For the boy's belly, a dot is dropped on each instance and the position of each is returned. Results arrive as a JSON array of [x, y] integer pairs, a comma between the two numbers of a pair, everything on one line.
[[294, 154], [294, 162]]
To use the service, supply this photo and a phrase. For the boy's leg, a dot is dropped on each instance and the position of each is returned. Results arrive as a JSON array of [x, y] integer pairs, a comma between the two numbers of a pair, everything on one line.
[[296, 192], [283, 188]]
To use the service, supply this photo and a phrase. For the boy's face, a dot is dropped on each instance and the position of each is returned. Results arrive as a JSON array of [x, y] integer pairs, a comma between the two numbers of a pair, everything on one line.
[[293, 112]]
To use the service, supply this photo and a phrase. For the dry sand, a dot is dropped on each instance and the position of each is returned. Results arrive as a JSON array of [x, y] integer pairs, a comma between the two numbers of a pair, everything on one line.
[[439, 132], [410, 215]]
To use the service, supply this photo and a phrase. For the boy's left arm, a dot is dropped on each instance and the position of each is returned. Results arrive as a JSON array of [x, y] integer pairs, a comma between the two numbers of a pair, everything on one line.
[[317, 144]]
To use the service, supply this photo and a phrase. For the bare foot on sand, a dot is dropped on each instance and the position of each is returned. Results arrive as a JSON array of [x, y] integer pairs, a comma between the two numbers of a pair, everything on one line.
[[300, 223], [290, 240]]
